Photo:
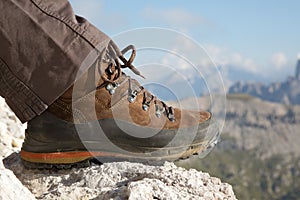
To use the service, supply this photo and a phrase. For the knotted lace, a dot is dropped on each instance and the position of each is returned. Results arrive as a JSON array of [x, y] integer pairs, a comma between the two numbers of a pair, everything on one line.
[[113, 72]]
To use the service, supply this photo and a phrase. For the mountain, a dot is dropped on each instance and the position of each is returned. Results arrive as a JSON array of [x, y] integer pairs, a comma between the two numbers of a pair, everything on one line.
[[287, 92], [259, 152]]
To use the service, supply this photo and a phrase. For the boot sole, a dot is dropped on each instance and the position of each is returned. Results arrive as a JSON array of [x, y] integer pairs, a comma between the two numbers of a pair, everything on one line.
[[67, 160]]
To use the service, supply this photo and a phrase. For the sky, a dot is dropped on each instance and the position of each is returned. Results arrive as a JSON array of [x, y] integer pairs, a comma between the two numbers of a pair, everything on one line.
[[259, 37]]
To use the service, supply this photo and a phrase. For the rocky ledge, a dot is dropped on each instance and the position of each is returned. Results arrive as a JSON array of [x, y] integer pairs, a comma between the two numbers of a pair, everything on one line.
[[120, 180]]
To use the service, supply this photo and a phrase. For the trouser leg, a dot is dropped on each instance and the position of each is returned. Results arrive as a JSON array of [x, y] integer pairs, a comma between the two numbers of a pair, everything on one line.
[[43, 46]]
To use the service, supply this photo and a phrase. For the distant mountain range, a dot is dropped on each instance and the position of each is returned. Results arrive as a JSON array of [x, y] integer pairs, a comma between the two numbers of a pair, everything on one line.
[[287, 92], [259, 152]]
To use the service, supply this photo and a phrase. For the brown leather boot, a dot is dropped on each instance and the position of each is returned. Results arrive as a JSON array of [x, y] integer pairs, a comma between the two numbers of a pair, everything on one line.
[[110, 116]]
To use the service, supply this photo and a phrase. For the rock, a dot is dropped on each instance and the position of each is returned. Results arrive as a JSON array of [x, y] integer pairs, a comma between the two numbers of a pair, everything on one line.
[[16, 143], [11, 188], [120, 180], [12, 131], [264, 127]]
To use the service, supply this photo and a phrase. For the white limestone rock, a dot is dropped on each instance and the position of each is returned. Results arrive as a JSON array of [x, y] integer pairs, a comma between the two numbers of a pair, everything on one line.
[[121, 180], [11, 188]]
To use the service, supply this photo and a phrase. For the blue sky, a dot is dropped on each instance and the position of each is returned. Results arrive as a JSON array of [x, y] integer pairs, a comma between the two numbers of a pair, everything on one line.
[[261, 37]]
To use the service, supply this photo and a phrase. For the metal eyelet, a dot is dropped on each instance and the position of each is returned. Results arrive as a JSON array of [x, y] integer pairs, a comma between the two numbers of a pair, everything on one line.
[[132, 96], [111, 87], [171, 117], [112, 91], [145, 107], [158, 111], [158, 114]]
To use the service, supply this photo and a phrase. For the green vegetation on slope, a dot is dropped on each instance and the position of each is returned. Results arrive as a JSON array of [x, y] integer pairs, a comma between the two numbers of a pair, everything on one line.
[[251, 177]]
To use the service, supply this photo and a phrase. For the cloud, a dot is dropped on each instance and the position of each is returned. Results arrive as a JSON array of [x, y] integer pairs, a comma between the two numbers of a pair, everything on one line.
[[219, 59], [174, 17], [298, 56], [227, 58], [279, 60]]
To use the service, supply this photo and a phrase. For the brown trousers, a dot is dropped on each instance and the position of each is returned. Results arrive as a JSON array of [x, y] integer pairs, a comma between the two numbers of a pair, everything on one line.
[[42, 47]]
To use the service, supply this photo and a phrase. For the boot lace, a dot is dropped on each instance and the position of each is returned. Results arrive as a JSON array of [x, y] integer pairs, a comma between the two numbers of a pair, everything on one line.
[[113, 72]]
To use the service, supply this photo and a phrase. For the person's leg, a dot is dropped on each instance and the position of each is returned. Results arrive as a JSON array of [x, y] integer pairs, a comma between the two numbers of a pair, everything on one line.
[[42, 46]]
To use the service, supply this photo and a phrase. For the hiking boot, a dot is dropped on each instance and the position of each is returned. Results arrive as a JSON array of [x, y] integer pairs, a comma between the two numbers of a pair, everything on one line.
[[109, 116]]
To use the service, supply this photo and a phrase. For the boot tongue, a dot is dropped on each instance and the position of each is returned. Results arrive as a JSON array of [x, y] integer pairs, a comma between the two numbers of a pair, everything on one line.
[[84, 85], [87, 83]]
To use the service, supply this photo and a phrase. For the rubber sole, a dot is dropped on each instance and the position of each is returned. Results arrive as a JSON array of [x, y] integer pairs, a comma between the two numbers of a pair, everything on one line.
[[67, 160]]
